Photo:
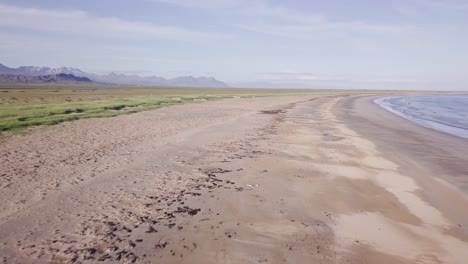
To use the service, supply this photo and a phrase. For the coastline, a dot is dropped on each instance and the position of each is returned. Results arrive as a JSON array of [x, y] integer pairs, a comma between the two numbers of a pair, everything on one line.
[[330, 179], [435, 159], [453, 129]]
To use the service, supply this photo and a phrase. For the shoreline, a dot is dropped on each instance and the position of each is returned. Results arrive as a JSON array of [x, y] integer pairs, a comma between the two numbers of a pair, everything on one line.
[[331, 179], [434, 158], [443, 141], [431, 124]]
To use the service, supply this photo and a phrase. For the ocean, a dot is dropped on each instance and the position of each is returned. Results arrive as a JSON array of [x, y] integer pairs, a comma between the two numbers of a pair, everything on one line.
[[445, 113]]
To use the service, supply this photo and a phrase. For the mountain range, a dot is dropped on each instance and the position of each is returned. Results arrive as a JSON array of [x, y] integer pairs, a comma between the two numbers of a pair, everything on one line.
[[64, 75], [59, 78]]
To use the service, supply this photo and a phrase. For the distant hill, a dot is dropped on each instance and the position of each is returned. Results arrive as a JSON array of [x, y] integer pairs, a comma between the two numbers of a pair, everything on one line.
[[61, 78], [183, 81], [112, 78]]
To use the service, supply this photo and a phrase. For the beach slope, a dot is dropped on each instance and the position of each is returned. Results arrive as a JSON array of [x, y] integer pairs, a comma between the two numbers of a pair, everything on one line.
[[292, 179]]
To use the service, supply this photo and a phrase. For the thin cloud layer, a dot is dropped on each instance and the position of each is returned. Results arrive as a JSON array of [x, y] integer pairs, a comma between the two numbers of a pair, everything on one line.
[[79, 22], [364, 44], [287, 22], [450, 4]]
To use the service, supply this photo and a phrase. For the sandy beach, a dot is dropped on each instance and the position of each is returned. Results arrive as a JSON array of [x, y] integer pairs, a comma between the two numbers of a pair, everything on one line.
[[286, 179]]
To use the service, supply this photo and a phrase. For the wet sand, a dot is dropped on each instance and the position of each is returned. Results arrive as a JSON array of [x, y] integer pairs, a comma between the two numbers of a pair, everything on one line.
[[332, 179]]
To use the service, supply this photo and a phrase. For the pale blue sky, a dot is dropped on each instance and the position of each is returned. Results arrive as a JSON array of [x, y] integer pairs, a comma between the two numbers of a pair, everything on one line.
[[403, 44]]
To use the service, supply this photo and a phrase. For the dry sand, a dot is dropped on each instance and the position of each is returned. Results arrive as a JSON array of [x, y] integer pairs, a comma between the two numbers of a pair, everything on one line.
[[331, 179]]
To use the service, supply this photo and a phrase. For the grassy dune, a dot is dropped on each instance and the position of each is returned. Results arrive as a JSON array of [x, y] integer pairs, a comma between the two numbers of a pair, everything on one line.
[[23, 106], [26, 106], [21, 116]]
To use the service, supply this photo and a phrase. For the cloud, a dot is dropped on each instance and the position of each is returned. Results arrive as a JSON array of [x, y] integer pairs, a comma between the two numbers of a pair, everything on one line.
[[295, 76], [323, 29], [448, 4], [207, 4], [254, 8], [393, 80], [407, 10], [309, 78], [81, 23], [284, 21]]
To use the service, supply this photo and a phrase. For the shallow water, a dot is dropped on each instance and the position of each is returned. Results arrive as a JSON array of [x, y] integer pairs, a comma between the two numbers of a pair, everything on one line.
[[445, 113]]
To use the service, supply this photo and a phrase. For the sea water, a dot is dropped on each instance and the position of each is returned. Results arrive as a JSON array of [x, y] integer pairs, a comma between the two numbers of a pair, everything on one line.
[[445, 113]]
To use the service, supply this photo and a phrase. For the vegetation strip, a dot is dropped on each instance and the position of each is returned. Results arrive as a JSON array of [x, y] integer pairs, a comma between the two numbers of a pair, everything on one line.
[[25, 106], [16, 118]]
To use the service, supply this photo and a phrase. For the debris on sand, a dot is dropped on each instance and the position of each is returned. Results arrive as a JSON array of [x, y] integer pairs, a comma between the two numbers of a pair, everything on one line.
[[151, 230], [187, 210], [273, 112], [330, 137]]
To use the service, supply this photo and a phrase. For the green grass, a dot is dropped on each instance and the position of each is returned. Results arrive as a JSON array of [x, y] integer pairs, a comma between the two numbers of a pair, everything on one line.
[[23, 106], [14, 118]]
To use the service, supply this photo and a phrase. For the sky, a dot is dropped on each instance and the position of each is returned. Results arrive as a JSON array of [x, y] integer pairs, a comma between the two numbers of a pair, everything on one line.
[[367, 44]]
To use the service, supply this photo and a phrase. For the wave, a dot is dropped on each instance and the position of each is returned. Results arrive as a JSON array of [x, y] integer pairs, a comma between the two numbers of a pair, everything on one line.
[[445, 113]]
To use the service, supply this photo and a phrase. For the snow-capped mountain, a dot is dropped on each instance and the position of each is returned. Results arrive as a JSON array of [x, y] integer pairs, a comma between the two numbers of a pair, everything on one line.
[[114, 78], [38, 71], [60, 78]]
